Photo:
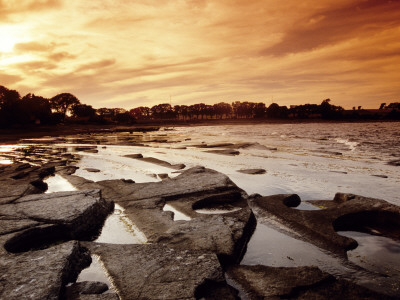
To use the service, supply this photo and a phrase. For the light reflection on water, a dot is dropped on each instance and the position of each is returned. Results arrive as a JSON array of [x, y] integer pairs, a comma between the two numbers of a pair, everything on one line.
[[57, 183], [119, 229], [178, 216], [375, 253]]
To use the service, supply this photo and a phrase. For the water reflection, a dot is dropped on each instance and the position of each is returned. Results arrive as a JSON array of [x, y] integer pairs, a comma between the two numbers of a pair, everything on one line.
[[178, 216], [119, 229], [58, 183]]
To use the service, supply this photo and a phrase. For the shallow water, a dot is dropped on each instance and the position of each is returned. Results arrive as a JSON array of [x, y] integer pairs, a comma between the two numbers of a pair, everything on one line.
[[313, 160]]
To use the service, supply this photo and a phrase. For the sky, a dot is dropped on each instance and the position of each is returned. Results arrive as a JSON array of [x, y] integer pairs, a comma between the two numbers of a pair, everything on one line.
[[121, 53]]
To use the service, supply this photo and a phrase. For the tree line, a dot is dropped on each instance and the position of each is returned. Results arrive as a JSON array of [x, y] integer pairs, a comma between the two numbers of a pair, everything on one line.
[[33, 109]]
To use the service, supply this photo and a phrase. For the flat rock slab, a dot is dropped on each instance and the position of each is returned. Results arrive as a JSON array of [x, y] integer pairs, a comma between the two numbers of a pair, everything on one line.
[[252, 171], [46, 218], [156, 271], [195, 188], [263, 282], [22, 179], [157, 161], [229, 152], [41, 274], [92, 170], [347, 212]]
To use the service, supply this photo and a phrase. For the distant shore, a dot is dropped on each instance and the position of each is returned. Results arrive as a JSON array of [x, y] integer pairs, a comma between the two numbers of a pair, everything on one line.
[[13, 135]]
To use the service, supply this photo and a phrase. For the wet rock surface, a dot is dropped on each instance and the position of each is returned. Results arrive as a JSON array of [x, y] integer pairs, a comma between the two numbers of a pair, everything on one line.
[[252, 171], [157, 271], [344, 212], [184, 259], [226, 234], [41, 274], [263, 282]]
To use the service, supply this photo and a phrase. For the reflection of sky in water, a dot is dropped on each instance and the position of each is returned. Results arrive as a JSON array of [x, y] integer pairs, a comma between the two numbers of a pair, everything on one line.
[[58, 183], [178, 216], [271, 247], [375, 253], [119, 229]]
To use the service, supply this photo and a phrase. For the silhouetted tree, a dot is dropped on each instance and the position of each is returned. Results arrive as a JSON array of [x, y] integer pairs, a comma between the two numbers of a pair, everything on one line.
[[36, 109], [62, 103], [83, 111], [9, 107]]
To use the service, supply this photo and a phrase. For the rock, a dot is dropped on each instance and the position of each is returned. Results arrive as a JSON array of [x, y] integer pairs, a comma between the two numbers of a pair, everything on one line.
[[160, 162], [92, 170], [22, 179], [163, 176], [395, 162], [157, 271], [193, 189], [345, 212], [134, 155], [41, 274], [42, 219], [263, 282], [380, 176], [224, 152], [86, 287], [252, 171]]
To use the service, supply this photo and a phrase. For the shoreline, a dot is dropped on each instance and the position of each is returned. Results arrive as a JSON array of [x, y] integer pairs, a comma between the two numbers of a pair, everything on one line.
[[13, 135]]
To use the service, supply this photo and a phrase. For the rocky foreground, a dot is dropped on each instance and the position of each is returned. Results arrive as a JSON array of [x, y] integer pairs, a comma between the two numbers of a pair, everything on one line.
[[47, 239]]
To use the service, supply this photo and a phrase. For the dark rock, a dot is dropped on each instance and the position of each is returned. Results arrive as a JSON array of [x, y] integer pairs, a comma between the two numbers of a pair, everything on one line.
[[92, 170], [160, 162], [157, 271], [134, 155], [263, 282], [345, 212], [41, 274], [193, 189], [86, 287], [395, 162], [252, 171], [18, 180], [42, 219], [224, 152], [380, 176], [163, 176], [339, 172]]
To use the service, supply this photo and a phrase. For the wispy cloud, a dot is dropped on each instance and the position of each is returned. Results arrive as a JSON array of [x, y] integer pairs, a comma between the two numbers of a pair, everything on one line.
[[131, 53]]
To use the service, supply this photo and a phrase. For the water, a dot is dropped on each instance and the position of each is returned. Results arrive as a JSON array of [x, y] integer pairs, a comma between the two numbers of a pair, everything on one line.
[[313, 160]]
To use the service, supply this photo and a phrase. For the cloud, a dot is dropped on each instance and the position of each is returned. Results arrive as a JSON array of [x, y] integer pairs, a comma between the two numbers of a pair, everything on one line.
[[9, 9], [33, 47], [327, 27], [8, 79]]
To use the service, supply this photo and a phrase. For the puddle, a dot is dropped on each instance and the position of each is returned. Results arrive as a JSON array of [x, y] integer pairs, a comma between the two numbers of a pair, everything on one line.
[[5, 162], [375, 253], [119, 229], [306, 206], [271, 247], [96, 272], [178, 216], [216, 211], [57, 183]]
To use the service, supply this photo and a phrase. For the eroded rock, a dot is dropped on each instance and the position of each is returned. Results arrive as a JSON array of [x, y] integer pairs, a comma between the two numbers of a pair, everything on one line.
[[41, 274], [41, 219], [156, 271], [263, 282], [345, 212]]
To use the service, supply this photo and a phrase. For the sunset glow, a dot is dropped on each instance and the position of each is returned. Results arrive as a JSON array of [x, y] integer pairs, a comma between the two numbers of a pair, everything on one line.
[[118, 53]]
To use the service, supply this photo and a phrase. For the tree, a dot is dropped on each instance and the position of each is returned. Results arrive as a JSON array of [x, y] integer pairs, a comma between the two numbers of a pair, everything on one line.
[[64, 102], [36, 109], [383, 105], [83, 111], [9, 107]]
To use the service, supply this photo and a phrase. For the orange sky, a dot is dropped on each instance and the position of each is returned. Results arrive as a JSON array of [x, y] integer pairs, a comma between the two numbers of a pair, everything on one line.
[[120, 53]]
